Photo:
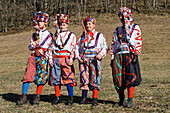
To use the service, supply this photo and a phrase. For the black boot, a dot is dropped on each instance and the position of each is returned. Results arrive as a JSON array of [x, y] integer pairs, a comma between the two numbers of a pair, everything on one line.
[[56, 100], [95, 102], [129, 103], [122, 101], [70, 101], [83, 101], [22, 100], [36, 99]]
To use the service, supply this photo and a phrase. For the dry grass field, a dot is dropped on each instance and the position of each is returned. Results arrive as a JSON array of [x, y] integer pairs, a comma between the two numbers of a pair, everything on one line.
[[153, 95]]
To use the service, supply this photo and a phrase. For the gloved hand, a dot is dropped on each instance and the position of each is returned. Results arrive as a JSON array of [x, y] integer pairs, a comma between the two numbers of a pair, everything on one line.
[[134, 59]]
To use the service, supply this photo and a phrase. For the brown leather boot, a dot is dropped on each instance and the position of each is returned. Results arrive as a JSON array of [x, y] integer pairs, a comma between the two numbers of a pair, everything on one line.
[[36, 99], [22, 100]]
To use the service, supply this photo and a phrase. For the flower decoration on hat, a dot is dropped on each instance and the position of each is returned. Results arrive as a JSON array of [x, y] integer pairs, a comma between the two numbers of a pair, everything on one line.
[[39, 16], [89, 19], [127, 14], [61, 18]]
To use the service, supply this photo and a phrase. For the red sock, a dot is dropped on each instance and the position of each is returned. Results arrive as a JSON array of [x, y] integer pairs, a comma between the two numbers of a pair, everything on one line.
[[131, 92], [95, 93], [39, 89], [57, 90]]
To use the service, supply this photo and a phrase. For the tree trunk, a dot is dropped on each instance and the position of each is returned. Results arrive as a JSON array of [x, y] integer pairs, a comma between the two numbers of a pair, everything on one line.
[[153, 5], [85, 7], [107, 6], [117, 6], [45, 6], [145, 4], [11, 15], [156, 5], [165, 3], [104, 6], [6, 15], [97, 1], [38, 5], [133, 4], [59, 6], [136, 5], [110, 6], [79, 9], [124, 3], [65, 5], [121, 3], [68, 8], [2, 20]]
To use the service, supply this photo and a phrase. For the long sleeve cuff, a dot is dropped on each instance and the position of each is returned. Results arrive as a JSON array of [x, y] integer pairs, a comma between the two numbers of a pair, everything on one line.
[[112, 57]]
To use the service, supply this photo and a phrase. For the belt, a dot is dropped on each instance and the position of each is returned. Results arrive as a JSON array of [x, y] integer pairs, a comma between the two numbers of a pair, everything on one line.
[[61, 54], [65, 54]]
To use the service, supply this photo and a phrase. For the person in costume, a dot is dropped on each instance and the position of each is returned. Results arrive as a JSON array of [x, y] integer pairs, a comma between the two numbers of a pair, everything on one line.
[[37, 70], [91, 47], [125, 49], [62, 69]]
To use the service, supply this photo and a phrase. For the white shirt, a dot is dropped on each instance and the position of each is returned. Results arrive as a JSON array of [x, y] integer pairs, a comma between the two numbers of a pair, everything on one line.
[[92, 45]]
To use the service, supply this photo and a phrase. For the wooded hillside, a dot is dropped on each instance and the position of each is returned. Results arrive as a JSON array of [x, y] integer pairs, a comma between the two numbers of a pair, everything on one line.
[[17, 15]]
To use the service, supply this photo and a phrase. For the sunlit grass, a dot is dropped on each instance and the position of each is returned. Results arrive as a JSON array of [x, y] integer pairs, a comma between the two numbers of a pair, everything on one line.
[[151, 96]]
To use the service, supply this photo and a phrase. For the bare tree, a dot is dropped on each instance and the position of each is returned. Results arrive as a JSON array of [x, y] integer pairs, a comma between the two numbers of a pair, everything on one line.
[[15, 12], [124, 3], [107, 6], [137, 5], [2, 20], [165, 3], [59, 6], [110, 6], [6, 15], [79, 5], [133, 4], [97, 2], [153, 5], [104, 6], [116, 2], [68, 8], [85, 7], [145, 4], [45, 5], [38, 5], [65, 5], [121, 3], [156, 6]]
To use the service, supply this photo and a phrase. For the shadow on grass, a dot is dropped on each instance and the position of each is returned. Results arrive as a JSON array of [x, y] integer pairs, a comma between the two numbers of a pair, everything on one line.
[[48, 98]]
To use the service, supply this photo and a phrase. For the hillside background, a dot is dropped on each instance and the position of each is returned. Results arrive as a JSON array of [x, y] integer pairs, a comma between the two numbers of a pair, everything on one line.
[[17, 15]]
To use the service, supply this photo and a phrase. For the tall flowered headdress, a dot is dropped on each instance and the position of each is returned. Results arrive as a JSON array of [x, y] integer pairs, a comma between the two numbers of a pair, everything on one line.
[[61, 18], [89, 19], [127, 14], [39, 16]]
